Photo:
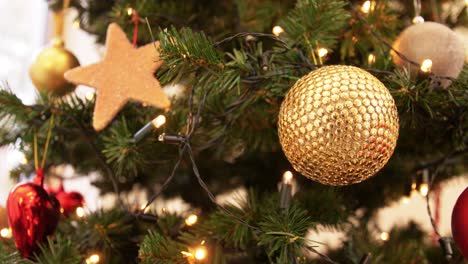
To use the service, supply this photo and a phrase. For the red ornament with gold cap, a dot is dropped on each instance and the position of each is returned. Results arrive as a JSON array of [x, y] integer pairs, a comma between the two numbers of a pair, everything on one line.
[[32, 214], [460, 223]]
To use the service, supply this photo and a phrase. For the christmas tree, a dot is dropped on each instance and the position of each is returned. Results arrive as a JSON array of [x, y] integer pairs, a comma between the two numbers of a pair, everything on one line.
[[199, 98]]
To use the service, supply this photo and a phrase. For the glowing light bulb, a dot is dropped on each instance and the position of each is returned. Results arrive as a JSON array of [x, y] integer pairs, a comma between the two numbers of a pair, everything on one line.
[[366, 7], [405, 200], [6, 232], [76, 24], [418, 20], [200, 253], [159, 121], [191, 220], [130, 11], [24, 160], [322, 52], [93, 259], [384, 236], [277, 30], [426, 65], [371, 59], [287, 177], [80, 212], [89, 95], [424, 189]]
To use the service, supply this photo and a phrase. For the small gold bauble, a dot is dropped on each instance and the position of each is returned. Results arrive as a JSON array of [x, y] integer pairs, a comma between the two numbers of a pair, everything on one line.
[[432, 41], [338, 125], [49, 67], [3, 218]]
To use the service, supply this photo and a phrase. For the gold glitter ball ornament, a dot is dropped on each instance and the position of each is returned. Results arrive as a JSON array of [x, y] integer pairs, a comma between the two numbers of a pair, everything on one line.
[[338, 125], [49, 67]]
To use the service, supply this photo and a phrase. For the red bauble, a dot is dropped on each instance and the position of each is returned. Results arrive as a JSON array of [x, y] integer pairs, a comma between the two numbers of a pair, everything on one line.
[[69, 201], [460, 223], [32, 215]]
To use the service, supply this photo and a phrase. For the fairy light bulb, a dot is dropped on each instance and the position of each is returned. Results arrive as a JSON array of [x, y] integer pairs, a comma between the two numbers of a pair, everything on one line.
[[287, 177], [159, 121], [366, 7], [76, 24], [424, 186], [426, 65], [191, 220], [384, 236], [6, 232], [371, 59], [277, 30], [418, 20], [89, 95], [200, 253], [80, 212], [130, 11], [405, 200], [322, 52], [424, 189], [93, 259]]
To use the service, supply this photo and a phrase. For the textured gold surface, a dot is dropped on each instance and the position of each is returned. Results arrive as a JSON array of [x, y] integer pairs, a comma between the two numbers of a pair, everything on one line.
[[47, 70], [126, 73], [338, 125]]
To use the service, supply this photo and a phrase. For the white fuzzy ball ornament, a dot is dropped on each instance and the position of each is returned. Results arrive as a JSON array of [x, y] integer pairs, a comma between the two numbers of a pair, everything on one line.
[[432, 41]]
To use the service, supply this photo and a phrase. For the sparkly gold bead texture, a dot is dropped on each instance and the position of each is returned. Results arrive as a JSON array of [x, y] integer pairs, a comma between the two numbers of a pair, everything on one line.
[[338, 125]]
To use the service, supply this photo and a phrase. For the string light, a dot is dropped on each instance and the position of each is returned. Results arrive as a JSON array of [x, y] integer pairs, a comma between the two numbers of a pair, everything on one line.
[[366, 7], [424, 189], [200, 253], [159, 121], [6, 232], [93, 259], [405, 200], [130, 11], [287, 177], [371, 59], [24, 160], [191, 220], [76, 24], [384, 236], [322, 52], [277, 30], [418, 20], [424, 186], [80, 212], [89, 95], [426, 65]]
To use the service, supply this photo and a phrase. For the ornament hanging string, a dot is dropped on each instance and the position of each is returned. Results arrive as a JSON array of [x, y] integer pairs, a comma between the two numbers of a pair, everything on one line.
[[39, 179], [135, 19]]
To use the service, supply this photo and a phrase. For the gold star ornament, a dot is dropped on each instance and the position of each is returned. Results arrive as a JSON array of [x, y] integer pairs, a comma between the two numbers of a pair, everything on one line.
[[126, 73]]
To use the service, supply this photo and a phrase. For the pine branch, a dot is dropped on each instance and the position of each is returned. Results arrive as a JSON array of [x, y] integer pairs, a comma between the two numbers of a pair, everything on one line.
[[313, 23], [194, 48], [58, 250], [160, 250]]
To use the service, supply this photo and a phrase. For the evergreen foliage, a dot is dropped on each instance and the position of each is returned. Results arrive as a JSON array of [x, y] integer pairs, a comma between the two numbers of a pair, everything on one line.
[[234, 75]]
